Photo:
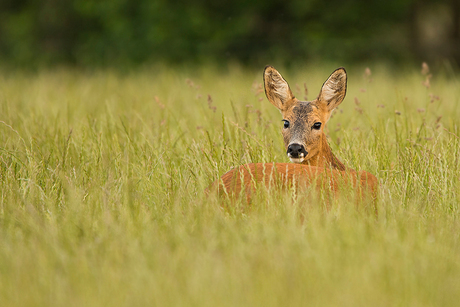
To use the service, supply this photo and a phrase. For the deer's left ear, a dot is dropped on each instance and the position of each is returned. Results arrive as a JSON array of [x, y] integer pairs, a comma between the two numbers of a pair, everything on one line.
[[334, 89]]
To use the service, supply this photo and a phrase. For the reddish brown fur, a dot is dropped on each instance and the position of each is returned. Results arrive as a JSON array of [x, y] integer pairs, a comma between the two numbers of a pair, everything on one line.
[[285, 175], [320, 167]]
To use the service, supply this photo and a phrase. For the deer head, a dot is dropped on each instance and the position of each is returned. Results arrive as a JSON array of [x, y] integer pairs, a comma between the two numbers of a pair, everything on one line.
[[304, 121]]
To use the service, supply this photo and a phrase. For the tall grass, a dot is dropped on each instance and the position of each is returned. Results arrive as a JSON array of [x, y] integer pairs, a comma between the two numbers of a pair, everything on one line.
[[102, 204]]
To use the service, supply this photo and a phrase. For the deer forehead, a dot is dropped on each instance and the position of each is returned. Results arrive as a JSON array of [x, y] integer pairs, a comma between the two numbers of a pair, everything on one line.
[[304, 111]]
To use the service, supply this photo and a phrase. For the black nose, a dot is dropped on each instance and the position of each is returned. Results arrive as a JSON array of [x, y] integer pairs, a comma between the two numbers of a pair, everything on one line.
[[296, 151]]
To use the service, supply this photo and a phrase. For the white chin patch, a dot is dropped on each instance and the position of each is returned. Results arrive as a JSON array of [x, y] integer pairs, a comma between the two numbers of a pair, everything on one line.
[[296, 160]]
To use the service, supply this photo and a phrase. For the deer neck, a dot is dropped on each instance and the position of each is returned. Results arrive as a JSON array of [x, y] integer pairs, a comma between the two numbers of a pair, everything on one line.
[[325, 157]]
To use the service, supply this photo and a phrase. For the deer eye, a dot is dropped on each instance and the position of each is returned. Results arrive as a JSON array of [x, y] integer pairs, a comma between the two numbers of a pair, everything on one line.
[[316, 126], [286, 124]]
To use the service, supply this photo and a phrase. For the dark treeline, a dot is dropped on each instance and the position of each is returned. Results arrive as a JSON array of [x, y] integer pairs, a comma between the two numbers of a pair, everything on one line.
[[114, 32]]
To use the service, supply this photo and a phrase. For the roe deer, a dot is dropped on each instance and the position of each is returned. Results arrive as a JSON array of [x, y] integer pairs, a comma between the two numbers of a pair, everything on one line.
[[305, 142]]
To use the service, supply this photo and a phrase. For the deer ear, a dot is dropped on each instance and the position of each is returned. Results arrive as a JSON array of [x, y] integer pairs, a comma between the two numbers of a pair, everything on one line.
[[334, 89], [277, 89]]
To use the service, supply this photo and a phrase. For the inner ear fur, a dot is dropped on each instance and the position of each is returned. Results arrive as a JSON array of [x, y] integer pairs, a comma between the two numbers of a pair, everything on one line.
[[277, 89], [334, 89]]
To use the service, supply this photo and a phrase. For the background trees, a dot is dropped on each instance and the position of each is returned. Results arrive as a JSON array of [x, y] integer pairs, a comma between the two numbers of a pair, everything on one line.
[[131, 32]]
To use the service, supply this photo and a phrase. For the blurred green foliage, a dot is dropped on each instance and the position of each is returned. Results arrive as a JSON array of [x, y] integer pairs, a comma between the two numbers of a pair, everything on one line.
[[112, 32]]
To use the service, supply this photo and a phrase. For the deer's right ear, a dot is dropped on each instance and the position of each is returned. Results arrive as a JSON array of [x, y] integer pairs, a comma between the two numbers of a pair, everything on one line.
[[334, 89], [277, 89]]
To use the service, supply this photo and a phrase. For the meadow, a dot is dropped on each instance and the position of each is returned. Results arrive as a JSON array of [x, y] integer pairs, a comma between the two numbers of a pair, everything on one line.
[[102, 176]]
